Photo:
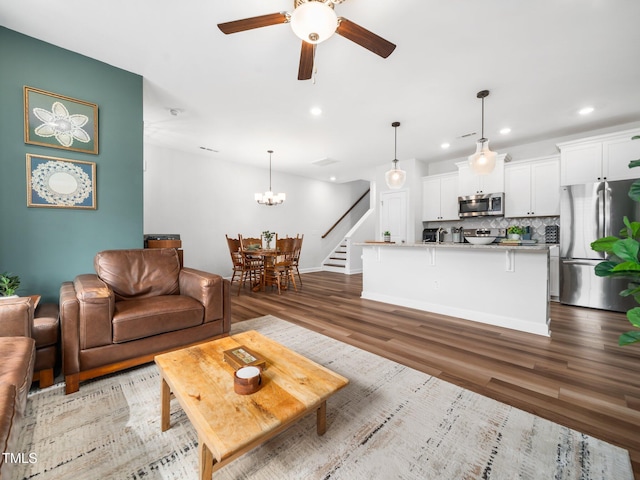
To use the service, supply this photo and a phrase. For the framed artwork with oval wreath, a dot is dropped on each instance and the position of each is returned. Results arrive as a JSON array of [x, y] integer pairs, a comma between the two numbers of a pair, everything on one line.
[[56, 121], [60, 183]]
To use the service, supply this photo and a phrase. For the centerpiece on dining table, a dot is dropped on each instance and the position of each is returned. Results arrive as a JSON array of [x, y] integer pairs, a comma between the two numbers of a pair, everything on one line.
[[268, 236]]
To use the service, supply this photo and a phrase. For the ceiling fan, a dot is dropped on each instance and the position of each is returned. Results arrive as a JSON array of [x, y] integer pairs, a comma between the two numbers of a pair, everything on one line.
[[314, 21]]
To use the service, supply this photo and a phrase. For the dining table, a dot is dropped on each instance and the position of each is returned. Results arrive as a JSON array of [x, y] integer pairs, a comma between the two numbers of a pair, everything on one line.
[[268, 257]]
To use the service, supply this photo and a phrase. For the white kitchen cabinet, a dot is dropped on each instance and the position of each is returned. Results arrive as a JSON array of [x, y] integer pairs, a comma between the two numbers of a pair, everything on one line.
[[616, 155], [470, 183], [532, 188], [595, 159], [440, 197]]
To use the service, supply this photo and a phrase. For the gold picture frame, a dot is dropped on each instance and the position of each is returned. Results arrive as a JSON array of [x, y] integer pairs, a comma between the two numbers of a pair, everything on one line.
[[56, 121], [60, 183]]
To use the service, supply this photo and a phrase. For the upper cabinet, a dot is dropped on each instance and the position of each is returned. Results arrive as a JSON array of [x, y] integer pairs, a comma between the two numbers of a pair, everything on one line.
[[440, 197], [532, 188], [470, 183], [599, 158]]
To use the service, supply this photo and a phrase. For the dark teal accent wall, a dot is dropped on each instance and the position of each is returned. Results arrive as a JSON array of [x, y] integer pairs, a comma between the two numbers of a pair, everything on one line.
[[46, 246]]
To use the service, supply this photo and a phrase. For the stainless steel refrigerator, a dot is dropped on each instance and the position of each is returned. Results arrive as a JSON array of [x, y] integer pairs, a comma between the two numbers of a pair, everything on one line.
[[589, 212]]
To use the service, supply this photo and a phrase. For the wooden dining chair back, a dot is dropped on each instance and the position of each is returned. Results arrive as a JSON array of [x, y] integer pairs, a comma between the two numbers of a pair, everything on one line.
[[250, 242], [236, 256], [297, 248], [283, 266], [250, 267]]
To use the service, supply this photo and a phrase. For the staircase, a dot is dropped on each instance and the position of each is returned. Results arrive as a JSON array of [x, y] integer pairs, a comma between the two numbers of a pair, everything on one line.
[[346, 258], [337, 261]]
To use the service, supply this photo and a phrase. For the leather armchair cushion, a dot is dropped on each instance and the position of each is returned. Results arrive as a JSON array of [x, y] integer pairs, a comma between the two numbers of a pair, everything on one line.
[[17, 358], [134, 319], [16, 317], [139, 273]]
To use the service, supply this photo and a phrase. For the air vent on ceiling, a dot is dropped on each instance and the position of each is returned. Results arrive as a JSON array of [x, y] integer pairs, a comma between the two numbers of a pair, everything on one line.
[[468, 135], [324, 162]]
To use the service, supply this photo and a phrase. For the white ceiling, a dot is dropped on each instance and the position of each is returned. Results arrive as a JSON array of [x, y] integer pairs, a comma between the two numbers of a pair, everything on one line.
[[239, 94]]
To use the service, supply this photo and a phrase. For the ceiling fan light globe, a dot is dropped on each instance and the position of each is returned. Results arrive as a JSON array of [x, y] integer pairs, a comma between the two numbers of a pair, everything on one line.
[[483, 161], [395, 178], [314, 22]]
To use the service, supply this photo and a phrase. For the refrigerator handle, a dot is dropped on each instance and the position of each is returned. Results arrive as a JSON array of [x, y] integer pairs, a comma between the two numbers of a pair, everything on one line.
[[606, 211], [590, 263], [601, 226]]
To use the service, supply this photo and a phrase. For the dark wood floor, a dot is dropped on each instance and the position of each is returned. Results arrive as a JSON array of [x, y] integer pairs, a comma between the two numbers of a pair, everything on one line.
[[579, 377]]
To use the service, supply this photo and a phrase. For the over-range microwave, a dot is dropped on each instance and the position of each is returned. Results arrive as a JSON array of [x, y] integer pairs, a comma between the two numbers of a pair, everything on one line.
[[481, 205]]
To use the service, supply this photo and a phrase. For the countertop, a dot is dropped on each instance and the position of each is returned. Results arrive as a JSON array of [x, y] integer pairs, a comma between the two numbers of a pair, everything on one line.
[[491, 246]]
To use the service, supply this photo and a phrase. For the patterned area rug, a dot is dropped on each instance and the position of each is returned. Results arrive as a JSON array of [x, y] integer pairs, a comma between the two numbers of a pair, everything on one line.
[[390, 422]]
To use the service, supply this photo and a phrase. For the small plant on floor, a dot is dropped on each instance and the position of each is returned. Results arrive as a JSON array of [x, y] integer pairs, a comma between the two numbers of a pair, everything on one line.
[[623, 260], [9, 283]]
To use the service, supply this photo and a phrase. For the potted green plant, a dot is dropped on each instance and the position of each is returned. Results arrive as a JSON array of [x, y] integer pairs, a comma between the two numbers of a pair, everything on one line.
[[386, 235], [9, 283], [268, 236], [514, 232], [623, 260]]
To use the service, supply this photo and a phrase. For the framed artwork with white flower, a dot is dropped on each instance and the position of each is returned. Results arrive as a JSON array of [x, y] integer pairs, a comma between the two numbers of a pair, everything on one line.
[[60, 183], [53, 120]]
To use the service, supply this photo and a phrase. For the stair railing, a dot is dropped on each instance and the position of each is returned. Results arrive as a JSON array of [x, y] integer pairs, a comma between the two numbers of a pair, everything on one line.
[[346, 213]]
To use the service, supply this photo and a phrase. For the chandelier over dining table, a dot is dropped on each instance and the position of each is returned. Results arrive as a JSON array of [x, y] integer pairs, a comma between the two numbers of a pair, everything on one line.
[[268, 198]]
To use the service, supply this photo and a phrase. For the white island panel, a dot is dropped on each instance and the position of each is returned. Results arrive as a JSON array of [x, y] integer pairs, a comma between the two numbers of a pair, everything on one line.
[[507, 287]]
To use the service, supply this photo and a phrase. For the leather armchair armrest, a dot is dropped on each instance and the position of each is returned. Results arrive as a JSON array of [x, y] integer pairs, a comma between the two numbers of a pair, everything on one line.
[[70, 329], [207, 288], [96, 303], [16, 317]]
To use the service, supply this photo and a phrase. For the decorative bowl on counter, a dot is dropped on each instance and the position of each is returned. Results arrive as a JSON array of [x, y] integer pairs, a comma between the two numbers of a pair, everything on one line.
[[480, 240]]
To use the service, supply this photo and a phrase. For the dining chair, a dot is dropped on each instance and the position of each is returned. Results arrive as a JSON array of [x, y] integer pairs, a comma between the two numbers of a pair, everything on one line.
[[243, 266], [249, 243], [296, 255], [282, 268], [236, 258]]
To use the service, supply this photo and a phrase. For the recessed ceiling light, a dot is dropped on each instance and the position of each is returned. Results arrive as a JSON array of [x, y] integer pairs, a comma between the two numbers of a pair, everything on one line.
[[333, 178], [445, 145], [585, 110], [505, 131], [316, 111]]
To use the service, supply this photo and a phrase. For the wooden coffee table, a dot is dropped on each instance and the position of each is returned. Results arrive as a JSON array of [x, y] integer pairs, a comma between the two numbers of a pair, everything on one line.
[[228, 424]]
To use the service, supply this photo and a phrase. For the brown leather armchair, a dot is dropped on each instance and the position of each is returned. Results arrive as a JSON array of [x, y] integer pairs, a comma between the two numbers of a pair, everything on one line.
[[18, 318], [140, 303], [17, 358]]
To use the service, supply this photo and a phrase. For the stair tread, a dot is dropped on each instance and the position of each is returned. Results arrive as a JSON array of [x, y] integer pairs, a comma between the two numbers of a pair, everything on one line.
[[334, 265]]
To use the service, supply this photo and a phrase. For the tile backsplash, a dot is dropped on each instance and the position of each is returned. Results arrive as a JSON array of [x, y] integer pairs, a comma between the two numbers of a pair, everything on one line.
[[537, 224]]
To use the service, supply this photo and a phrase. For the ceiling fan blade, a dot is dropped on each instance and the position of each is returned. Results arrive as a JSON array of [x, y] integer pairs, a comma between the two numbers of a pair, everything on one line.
[[365, 38], [253, 22], [305, 71]]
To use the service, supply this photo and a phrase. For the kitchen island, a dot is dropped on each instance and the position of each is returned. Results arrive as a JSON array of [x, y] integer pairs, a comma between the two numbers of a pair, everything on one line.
[[506, 286]]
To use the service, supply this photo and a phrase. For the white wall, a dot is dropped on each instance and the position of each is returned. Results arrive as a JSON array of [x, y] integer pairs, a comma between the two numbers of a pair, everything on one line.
[[202, 198], [413, 185]]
